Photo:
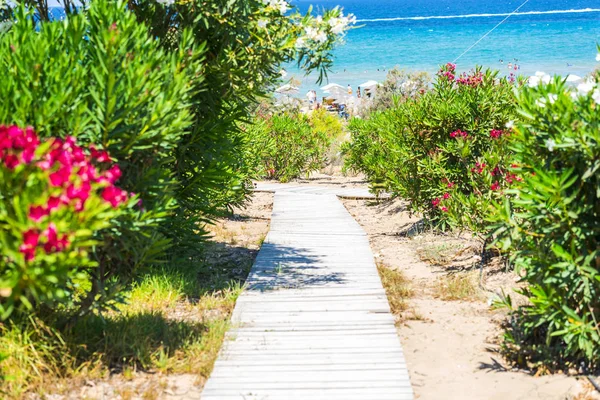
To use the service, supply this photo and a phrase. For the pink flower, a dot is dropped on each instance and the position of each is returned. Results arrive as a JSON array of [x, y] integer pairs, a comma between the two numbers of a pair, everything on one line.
[[497, 171], [31, 239], [444, 209], [17, 136], [446, 196], [53, 243], [435, 202], [36, 213], [78, 154], [54, 203], [449, 75], [114, 196], [78, 195], [62, 176], [459, 133], [495, 133], [28, 154], [495, 186], [11, 161], [113, 174], [87, 172], [450, 185], [99, 155]]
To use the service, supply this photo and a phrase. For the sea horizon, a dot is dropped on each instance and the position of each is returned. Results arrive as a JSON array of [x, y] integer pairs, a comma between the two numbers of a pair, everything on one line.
[[557, 37]]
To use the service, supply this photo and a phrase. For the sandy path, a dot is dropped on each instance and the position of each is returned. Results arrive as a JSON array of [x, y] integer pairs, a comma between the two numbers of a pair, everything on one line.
[[448, 349]]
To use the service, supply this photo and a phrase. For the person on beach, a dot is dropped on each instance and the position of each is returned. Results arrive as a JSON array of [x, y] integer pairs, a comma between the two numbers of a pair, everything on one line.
[[349, 89], [358, 93]]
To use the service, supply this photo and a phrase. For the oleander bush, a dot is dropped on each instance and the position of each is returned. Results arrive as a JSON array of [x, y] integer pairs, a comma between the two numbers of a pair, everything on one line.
[[444, 151], [289, 145], [55, 198], [549, 223]]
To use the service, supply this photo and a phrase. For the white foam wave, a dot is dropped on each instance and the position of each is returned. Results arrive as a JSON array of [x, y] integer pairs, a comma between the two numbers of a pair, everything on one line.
[[580, 11]]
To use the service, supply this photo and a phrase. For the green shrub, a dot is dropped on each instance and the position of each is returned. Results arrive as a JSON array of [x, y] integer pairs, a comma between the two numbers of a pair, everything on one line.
[[430, 150], [54, 197], [550, 225], [100, 77], [286, 146], [399, 86]]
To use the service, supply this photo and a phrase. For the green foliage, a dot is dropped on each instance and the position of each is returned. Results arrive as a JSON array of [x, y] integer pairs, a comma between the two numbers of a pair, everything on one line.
[[399, 86], [246, 44], [288, 145], [429, 149], [102, 78], [550, 225]]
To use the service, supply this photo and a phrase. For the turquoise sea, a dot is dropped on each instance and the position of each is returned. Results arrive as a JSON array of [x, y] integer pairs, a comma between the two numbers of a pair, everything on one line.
[[554, 36]]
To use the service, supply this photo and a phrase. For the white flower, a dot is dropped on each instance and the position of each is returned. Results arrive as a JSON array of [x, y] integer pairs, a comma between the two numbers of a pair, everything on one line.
[[262, 23], [283, 73], [321, 37], [334, 21], [598, 57], [319, 19], [585, 87], [541, 102], [300, 43], [311, 32], [337, 29], [539, 77], [510, 124], [596, 96], [550, 144], [283, 6], [166, 2], [574, 95], [552, 98], [533, 81]]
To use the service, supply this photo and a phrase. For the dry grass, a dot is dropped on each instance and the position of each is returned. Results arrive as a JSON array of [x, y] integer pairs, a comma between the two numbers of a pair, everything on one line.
[[398, 290], [458, 286], [441, 254]]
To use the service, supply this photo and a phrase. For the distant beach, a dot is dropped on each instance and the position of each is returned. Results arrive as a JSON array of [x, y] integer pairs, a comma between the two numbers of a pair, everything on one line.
[[554, 36]]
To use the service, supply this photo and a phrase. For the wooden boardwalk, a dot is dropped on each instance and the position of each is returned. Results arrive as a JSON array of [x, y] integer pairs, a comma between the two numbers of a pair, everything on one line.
[[314, 322]]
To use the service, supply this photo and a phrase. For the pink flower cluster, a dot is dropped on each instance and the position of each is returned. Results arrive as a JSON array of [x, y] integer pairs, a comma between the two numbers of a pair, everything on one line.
[[475, 79], [448, 71], [509, 177], [459, 133], [479, 167], [52, 241], [496, 133], [437, 201], [17, 146], [73, 176]]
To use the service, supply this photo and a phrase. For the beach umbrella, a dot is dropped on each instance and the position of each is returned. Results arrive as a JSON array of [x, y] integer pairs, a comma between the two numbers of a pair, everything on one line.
[[287, 89], [368, 84], [339, 91], [573, 78], [331, 86]]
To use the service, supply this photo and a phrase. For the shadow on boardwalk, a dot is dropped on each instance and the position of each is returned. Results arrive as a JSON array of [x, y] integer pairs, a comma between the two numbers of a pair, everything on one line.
[[284, 267]]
